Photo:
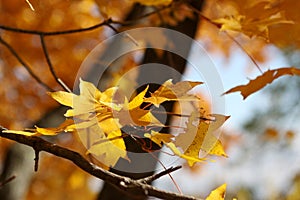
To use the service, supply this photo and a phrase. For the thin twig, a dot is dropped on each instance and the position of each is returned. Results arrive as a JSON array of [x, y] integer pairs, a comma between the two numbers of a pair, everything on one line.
[[51, 68], [7, 181], [22, 62], [154, 177], [180, 115], [171, 177], [106, 22], [228, 35], [245, 51], [129, 22], [46, 33]]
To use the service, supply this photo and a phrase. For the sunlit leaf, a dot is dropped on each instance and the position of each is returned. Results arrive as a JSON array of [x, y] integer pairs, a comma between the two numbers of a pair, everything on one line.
[[137, 100], [172, 92], [200, 136], [64, 98], [27, 133], [109, 150], [218, 193], [188, 158], [159, 138]]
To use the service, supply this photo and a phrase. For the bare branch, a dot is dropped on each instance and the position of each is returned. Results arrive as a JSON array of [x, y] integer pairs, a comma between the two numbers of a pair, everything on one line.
[[154, 177], [7, 181], [106, 22], [58, 80], [228, 35], [123, 183], [25, 65]]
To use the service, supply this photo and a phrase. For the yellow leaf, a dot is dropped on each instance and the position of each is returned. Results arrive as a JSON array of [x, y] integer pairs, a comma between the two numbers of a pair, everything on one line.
[[138, 117], [159, 138], [64, 98], [148, 120], [27, 133], [137, 100], [217, 194], [263, 80], [170, 92], [63, 127], [109, 150], [110, 124], [89, 91], [200, 137], [188, 158]]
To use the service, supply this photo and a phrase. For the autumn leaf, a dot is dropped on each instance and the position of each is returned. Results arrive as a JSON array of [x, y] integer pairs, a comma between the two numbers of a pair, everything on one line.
[[132, 114], [177, 152], [218, 193], [172, 92], [137, 100], [64, 98], [63, 127], [27, 133], [109, 150], [201, 137], [196, 138], [262, 80], [159, 138]]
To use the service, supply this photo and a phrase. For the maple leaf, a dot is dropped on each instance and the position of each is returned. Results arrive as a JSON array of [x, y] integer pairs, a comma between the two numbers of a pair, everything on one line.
[[262, 80], [132, 114], [201, 137], [170, 92], [90, 100], [110, 149], [159, 138], [218, 193]]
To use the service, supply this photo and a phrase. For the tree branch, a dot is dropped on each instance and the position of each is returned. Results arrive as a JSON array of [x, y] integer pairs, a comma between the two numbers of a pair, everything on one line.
[[121, 182], [51, 68], [25, 65]]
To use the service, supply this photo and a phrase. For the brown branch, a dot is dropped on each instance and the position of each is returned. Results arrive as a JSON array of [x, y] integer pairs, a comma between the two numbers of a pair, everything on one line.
[[154, 177], [22, 62], [46, 33], [36, 160], [121, 182], [106, 22]]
